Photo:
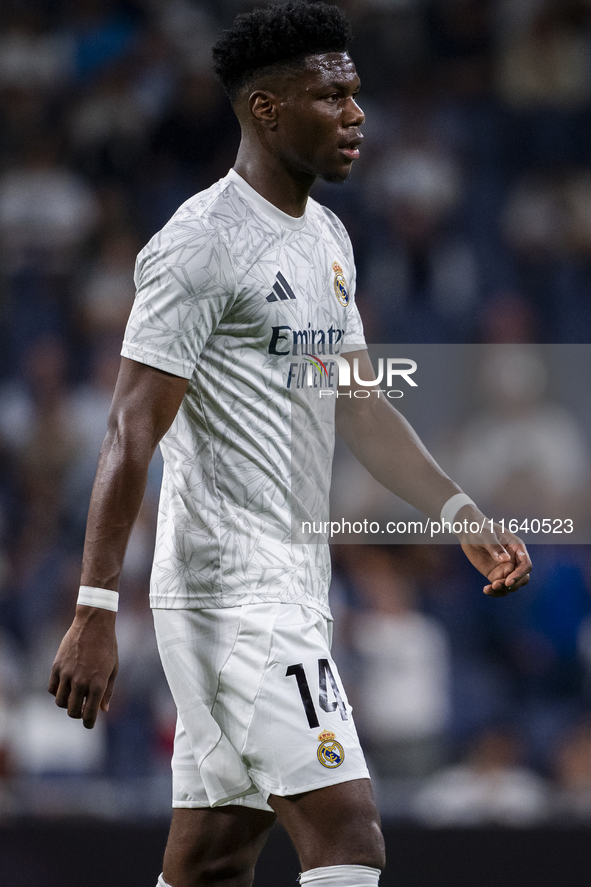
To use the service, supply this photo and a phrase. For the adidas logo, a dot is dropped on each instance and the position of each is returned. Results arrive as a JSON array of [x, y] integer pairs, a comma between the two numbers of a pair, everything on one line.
[[281, 290]]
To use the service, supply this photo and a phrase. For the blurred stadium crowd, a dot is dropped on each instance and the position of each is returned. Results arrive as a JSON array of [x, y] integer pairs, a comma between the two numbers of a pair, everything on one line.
[[470, 214]]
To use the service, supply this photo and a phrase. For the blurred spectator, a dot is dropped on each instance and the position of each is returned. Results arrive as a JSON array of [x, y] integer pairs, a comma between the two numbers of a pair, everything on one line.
[[491, 787], [584, 646], [109, 127], [46, 210], [141, 687], [545, 61], [31, 56], [535, 219], [190, 30], [572, 775], [108, 292], [508, 318], [461, 40], [47, 743], [23, 114], [38, 396], [199, 131], [37, 425], [403, 691], [102, 32], [522, 454], [422, 276], [391, 37], [548, 215], [42, 740], [11, 684], [153, 73], [535, 640]]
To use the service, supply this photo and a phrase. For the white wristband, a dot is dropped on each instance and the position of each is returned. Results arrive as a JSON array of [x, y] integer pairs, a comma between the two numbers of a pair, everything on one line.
[[453, 505], [103, 598]]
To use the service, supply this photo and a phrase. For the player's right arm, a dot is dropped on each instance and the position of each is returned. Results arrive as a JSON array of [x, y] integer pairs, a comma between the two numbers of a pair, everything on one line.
[[145, 402]]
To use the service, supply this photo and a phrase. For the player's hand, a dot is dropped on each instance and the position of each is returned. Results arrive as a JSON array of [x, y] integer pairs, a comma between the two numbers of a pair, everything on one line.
[[86, 664], [500, 556]]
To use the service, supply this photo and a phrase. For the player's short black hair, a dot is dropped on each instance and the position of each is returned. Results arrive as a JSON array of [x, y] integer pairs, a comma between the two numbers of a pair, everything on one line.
[[273, 36]]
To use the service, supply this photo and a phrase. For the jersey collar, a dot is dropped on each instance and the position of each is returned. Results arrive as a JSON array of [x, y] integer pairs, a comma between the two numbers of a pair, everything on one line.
[[264, 206]]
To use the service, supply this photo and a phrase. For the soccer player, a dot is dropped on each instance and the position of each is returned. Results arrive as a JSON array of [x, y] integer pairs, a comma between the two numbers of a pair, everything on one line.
[[243, 274]]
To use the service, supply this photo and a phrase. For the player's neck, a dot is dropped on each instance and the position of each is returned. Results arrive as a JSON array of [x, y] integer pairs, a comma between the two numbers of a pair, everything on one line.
[[286, 190]]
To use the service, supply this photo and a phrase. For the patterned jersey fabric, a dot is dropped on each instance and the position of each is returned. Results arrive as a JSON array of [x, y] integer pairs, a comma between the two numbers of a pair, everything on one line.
[[249, 304]]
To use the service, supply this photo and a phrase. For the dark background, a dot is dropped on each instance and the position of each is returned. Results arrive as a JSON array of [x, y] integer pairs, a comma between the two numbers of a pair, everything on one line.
[[72, 854]]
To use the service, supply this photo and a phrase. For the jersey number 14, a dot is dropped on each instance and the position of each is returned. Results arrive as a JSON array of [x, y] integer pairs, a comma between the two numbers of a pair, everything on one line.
[[324, 672]]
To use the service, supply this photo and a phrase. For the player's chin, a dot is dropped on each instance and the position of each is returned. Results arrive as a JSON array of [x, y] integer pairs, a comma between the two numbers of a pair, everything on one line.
[[337, 176]]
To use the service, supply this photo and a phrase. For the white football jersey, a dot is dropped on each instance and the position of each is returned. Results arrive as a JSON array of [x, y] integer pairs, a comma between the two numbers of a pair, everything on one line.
[[248, 304]]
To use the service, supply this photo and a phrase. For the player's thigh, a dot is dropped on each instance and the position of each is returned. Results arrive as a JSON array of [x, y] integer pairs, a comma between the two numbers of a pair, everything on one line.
[[336, 825], [300, 735], [209, 845]]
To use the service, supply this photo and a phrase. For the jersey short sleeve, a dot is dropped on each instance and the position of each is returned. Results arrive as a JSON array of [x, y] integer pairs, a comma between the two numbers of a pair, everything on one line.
[[185, 282], [354, 339], [354, 335]]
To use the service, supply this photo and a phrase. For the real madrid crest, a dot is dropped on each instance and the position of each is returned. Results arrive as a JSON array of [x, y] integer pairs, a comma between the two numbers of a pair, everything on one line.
[[331, 753], [340, 285]]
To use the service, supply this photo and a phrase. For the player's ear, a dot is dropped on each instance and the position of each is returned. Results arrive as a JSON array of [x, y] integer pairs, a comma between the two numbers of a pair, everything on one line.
[[263, 106]]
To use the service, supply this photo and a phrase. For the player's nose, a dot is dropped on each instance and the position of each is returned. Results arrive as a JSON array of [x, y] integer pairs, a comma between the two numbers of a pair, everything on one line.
[[354, 116]]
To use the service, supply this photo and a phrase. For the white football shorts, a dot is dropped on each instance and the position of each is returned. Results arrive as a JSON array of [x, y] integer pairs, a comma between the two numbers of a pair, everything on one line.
[[261, 707]]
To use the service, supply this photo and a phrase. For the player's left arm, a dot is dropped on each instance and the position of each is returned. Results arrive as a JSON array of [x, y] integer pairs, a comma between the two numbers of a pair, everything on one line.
[[387, 445]]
